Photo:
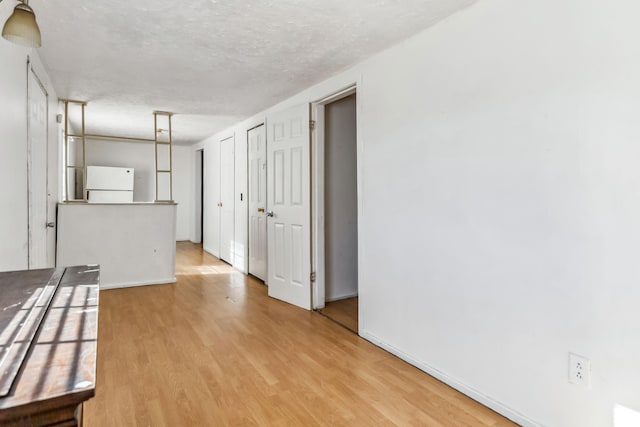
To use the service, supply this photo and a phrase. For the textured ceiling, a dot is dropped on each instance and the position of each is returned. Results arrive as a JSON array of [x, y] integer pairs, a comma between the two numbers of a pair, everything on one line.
[[212, 62]]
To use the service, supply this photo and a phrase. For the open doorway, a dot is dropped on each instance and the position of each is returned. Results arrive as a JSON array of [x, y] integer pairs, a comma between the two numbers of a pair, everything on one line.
[[336, 225]]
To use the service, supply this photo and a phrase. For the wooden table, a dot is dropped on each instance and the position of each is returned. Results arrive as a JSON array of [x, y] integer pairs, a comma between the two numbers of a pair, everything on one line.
[[48, 344]]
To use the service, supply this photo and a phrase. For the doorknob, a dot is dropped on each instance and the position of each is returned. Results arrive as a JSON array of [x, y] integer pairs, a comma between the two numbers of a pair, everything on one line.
[[51, 224], [270, 213], [260, 209]]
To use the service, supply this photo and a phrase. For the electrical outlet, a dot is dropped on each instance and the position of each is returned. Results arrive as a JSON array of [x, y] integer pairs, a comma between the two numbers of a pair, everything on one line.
[[579, 370]]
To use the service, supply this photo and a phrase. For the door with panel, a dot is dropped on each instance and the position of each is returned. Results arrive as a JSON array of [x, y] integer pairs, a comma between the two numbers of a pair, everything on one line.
[[289, 206], [41, 236], [257, 146], [226, 205]]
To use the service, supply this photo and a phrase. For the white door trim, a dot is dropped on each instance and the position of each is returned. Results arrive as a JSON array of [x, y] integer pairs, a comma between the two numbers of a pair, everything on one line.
[[317, 190]]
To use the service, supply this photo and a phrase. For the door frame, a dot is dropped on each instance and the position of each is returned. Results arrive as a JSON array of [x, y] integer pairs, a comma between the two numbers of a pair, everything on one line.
[[317, 195]]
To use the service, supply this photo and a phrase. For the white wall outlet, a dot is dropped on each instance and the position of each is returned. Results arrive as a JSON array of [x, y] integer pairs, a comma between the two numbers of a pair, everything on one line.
[[579, 370]]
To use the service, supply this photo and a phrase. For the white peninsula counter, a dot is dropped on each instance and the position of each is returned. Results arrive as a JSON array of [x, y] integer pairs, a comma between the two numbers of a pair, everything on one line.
[[134, 243]]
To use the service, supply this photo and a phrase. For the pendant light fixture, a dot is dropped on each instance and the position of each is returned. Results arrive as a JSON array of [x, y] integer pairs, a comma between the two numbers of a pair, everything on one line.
[[21, 27]]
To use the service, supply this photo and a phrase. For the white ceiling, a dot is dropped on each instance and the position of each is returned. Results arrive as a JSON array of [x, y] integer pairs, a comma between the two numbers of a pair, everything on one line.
[[212, 62]]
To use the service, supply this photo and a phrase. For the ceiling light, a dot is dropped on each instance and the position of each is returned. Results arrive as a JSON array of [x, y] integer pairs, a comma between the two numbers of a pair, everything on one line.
[[21, 27]]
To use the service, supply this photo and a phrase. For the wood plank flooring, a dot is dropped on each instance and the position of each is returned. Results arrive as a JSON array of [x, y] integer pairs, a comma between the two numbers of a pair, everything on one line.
[[215, 350], [344, 311]]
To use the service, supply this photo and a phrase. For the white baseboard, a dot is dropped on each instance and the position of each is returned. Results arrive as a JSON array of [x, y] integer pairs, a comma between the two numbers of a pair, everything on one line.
[[133, 284], [339, 297], [476, 395]]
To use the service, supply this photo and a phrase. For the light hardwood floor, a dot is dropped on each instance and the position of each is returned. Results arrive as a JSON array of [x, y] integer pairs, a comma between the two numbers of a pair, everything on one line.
[[215, 350]]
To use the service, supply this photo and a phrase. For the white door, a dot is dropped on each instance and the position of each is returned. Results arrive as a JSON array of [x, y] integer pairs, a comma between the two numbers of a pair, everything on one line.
[[257, 202], [227, 162], [37, 166], [288, 202]]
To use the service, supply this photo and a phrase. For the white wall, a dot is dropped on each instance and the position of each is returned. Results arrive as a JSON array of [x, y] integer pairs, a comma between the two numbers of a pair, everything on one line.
[[340, 199], [499, 203], [510, 150], [13, 161], [183, 184], [133, 244], [13, 148], [141, 157]]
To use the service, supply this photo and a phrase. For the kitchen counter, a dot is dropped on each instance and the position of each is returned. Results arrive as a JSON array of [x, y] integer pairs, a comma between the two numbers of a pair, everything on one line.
[[134, 243]]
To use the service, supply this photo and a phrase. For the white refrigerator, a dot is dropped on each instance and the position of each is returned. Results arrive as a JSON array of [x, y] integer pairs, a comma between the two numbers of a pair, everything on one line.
[[109, 185]]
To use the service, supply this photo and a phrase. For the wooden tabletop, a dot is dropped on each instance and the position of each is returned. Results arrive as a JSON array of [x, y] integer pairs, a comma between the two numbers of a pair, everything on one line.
[[59, 370]]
